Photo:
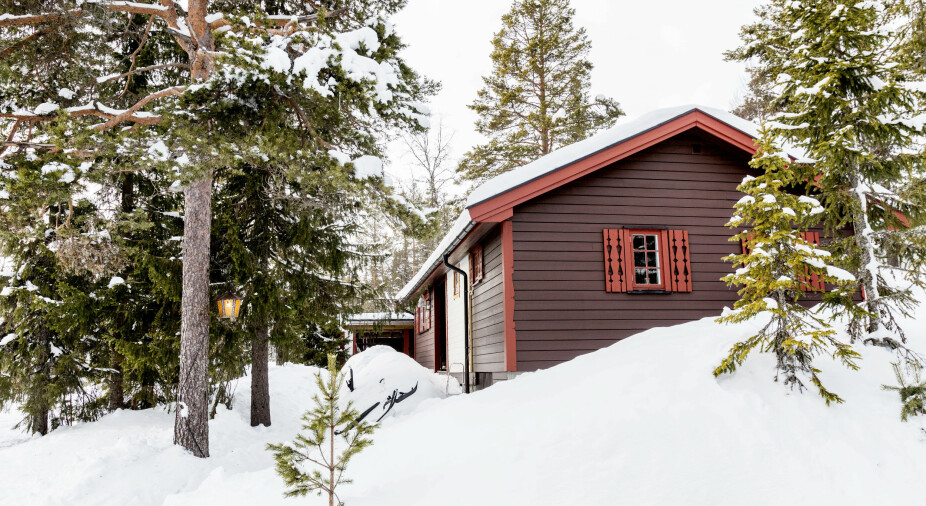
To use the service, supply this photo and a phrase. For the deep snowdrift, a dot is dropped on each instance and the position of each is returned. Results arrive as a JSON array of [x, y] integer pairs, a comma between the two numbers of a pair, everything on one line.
[[641, 422]]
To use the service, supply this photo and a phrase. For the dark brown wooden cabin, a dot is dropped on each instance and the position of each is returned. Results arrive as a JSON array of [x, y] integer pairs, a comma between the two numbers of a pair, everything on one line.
[[617, 240]]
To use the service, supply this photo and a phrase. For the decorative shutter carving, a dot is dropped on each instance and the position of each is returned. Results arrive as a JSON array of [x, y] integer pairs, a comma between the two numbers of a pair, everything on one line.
[[679, 268], [616, 251], [811, 282]]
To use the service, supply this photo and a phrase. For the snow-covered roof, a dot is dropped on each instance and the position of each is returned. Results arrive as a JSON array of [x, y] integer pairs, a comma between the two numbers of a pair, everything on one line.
[[386, 318], [624, 130], [457, 232]]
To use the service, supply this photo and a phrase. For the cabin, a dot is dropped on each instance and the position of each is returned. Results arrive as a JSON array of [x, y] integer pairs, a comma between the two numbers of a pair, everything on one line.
[[380, 329], [602, 239]]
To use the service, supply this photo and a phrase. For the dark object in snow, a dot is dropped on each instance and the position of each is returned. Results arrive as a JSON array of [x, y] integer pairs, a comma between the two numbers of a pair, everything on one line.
[[350, 381], [396, 398]]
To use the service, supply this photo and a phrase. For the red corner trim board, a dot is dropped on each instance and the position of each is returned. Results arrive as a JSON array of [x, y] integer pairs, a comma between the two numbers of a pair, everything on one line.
[[511, 348]]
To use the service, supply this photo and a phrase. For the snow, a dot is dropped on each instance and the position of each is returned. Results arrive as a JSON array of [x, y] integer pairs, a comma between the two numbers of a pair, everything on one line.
[[128, 457], [622, 131], [375, 317], [46, 108], [453, 237], [840, 274], [277, 60], [7, 339], [115, 281], [368, 166], [590, 431]]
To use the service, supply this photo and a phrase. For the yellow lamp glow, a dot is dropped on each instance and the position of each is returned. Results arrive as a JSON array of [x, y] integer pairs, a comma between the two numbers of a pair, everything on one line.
[[229, 305]]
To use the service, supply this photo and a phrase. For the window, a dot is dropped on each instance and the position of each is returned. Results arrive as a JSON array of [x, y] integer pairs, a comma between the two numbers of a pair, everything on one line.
[[475, 264], [647, 269], [456, 284], [641, 260], [423, 312]]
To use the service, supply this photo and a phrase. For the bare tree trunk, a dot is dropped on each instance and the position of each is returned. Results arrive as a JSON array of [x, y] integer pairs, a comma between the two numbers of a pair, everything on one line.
[[280, 355], [191, 426], [868, 268], [116, 379], [116, 389], [40, 420], [260, 383]]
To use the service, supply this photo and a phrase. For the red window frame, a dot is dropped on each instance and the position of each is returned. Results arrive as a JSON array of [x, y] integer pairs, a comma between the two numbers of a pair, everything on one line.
[[673, 256], [661, 258]]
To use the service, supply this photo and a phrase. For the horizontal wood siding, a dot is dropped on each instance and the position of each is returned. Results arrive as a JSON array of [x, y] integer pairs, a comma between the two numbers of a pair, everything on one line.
[[561, 307], [488, 309], [424, 345]]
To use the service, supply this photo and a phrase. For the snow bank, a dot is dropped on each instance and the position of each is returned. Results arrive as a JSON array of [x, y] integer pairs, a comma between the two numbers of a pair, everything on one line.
[[380, 372], [642, 422]]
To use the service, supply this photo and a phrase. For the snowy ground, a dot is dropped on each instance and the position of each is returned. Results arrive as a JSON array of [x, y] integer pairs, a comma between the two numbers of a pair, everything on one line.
[[642, 422]]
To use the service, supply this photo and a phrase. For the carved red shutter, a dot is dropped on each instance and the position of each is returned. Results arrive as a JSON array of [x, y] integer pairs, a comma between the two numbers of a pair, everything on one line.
[[812, 282], [616, 250], [679, 269]]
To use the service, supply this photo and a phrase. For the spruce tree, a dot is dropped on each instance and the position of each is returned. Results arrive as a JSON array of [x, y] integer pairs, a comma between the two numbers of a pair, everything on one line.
[[333, 74], [331, 437], [845, 84], [537, 97], [774, 273], [285, 248]]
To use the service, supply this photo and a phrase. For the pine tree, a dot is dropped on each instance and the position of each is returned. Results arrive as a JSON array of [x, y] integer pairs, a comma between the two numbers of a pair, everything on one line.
[[331, 437], [333, 75], [775, 271], [537, 97], [844, 82], [912, 392], [292, 263]]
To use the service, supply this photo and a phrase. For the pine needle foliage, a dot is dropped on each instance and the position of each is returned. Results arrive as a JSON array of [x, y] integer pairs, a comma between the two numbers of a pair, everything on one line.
[[845, 81], [774, 272], [537, 97], [331, 437], [912, 394]]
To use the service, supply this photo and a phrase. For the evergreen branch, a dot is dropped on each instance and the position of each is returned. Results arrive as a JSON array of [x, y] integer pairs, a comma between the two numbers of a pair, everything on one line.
[[143, 69], [36, 19]]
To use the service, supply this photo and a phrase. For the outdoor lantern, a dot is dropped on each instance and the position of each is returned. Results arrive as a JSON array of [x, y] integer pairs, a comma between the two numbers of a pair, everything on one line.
[[229, 304]]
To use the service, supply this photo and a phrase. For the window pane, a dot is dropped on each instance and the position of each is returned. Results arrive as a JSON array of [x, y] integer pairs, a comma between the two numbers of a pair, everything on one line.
[[651, 260], [654, 277], [640, 276], [638, 242], [651, 242], [639, 259]]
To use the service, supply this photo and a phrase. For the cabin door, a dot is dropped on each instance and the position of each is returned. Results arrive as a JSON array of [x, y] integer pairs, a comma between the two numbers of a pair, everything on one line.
[[440, 327]]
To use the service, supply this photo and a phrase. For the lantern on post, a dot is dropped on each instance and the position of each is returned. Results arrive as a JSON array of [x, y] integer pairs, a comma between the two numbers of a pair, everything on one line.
[[229, 304]]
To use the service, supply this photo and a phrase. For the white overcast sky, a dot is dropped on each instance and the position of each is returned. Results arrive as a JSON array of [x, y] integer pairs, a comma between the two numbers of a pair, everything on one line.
[[647, 54]]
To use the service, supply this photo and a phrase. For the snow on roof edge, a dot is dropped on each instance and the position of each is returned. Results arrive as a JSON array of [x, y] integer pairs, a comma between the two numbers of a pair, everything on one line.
[[461, 226], [621, 132], [563, 157]]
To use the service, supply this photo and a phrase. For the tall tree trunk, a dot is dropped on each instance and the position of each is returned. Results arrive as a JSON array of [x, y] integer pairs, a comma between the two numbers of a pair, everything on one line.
[[867, 274], [191, 426], [116, 379], [116, 389], [260, 383], [280, 355]]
